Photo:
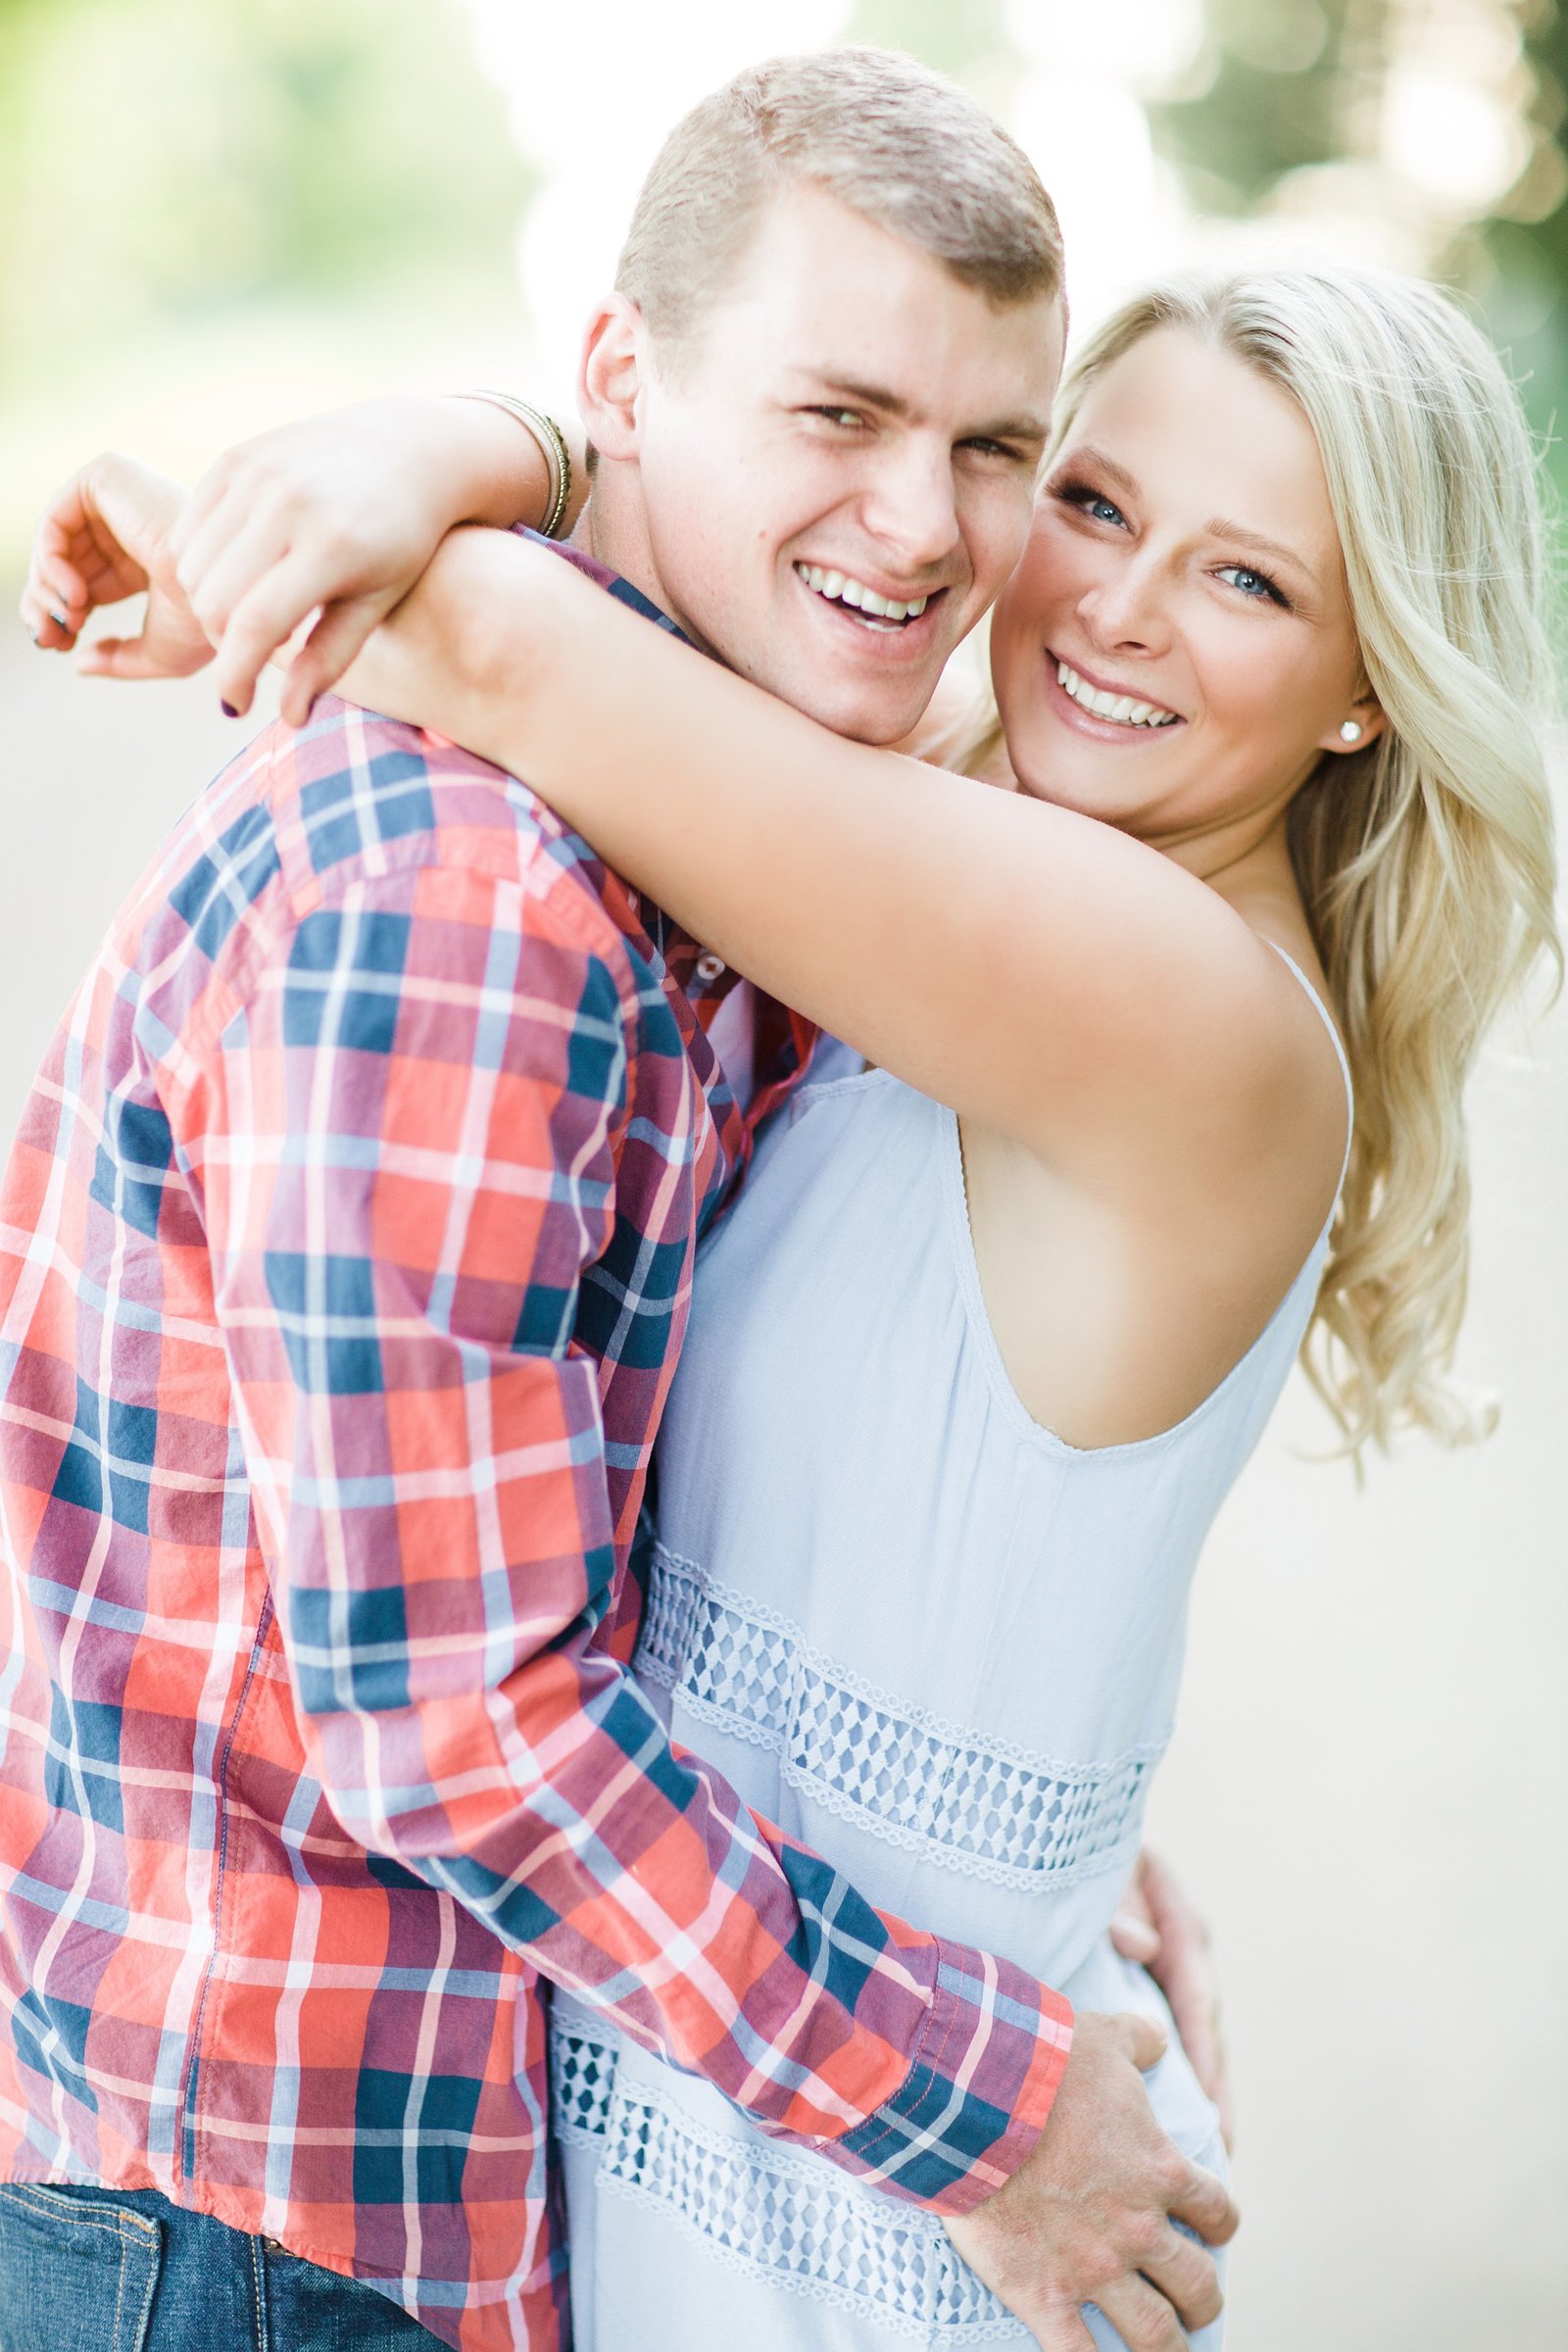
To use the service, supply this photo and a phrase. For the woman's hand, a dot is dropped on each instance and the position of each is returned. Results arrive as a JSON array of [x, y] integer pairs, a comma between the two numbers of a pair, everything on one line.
[[107, 535], [293, 547], [463, 650], [1157, 1926], [336, 518]]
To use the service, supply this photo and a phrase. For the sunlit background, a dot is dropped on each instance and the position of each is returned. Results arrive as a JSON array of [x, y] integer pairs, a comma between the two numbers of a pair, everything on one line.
[[213, 212], [209, 214]]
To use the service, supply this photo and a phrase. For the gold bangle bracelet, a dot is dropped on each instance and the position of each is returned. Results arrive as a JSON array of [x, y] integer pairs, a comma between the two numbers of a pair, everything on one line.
[[551, 442]]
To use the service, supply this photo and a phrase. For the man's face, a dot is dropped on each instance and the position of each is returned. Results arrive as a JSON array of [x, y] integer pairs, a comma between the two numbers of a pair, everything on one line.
[[853, 427]]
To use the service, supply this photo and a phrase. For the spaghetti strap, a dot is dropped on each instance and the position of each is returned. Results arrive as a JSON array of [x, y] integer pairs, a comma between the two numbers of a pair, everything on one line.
[[1328, 1020]]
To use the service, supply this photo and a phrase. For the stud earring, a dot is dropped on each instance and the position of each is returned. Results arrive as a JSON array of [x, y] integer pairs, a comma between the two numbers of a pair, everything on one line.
[[1351, 731]]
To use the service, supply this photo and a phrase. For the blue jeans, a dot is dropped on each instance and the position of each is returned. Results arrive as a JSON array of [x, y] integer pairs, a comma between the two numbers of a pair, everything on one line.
[[122, 2270]]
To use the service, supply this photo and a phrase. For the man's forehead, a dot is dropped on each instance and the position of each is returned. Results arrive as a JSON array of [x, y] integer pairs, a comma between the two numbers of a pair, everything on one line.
[[827, 301], [810, 254]]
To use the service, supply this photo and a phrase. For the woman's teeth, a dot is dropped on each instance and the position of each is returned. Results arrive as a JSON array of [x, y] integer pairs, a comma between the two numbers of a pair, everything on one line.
[[1112, 705], [842, 590]]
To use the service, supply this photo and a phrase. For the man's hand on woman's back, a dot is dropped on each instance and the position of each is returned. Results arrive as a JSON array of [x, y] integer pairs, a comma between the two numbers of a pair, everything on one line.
[[1090, 2216]]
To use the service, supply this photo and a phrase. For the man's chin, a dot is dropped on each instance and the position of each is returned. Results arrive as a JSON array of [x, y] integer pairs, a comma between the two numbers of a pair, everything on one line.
[[878, 712]]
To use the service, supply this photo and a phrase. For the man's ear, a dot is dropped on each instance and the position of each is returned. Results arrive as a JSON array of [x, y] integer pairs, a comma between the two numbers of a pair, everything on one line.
[[610, 377]]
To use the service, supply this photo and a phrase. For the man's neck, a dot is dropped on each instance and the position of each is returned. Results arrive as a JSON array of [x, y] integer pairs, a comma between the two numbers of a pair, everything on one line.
[[612, 528]]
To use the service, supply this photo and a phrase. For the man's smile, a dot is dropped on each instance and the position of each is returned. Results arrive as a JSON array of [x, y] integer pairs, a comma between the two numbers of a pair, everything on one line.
[[868, 608]]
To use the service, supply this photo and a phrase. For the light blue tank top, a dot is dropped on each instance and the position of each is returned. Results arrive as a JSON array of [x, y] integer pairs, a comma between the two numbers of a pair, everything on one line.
[[924, 1635]]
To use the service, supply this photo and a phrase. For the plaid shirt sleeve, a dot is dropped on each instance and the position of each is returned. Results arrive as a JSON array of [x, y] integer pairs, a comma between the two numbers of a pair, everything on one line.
[[407, 1141]]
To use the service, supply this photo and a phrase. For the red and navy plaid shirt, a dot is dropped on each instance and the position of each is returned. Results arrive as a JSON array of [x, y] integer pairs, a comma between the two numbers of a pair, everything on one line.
[[346, 1252]]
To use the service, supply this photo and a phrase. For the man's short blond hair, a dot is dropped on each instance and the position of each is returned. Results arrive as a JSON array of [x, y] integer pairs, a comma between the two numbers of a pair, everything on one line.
[[904, 147]]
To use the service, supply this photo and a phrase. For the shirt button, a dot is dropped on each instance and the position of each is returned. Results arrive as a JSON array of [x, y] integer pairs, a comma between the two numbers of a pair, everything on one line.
[[710, 967]]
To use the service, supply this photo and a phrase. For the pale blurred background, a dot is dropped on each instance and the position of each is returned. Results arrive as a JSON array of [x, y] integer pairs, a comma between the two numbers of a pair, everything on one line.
[[213, 215]]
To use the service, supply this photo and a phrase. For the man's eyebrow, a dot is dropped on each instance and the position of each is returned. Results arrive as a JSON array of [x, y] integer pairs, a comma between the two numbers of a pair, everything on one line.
[[893, 404]]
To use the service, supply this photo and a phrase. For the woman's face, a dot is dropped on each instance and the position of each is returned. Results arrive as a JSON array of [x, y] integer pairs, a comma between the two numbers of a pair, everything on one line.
[[1182, 571]]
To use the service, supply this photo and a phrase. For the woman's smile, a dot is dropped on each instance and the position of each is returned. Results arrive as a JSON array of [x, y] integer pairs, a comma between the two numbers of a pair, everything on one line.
[[1119, 711]]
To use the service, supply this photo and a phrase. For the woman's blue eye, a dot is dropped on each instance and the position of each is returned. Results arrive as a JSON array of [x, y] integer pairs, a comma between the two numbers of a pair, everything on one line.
[[1088, 502], [1252, 584]]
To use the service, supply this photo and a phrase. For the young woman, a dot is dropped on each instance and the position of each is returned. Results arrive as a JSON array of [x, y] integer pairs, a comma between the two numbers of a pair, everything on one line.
[[1014, 1284]]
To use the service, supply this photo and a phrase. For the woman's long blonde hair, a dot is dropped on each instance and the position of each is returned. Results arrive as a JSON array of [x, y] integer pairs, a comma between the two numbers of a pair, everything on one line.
[[1425, 862]]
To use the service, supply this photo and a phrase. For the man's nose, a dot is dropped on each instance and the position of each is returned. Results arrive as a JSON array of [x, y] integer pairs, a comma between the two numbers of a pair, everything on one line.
[[910, 504]]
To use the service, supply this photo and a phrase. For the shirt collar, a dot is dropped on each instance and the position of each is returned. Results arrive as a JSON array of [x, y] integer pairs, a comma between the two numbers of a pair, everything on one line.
[[613, 582], [680, 952]]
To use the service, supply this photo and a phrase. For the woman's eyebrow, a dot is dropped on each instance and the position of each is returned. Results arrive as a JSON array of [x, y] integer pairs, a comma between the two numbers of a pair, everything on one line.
[[1221, 527], [1084, 453]]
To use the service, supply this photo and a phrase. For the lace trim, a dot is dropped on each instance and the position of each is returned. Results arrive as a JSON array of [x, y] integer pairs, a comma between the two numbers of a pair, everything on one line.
[[582, 2076], [783, 2220], [971, 1803]]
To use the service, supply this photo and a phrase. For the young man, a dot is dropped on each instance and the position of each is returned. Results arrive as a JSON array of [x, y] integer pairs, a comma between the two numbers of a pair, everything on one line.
[[348, 1243]]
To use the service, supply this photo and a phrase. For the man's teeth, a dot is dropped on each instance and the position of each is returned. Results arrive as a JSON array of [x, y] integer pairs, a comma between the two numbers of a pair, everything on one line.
[[840, 589], [1112, 705]]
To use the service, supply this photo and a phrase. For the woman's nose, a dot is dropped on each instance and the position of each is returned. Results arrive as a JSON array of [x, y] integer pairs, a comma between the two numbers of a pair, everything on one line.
[[1126, 610]]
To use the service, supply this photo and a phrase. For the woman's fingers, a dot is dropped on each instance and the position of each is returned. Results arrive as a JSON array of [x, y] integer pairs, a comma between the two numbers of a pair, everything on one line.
[[168, 645], [263, 620], [102, 537], [234, 556], [201, 504], [1133, 1934], [55, 600], [50, 630], [118, 658], [267, 619], [1197, 2014], [335, 641], [252, 585], [1184, 1970]]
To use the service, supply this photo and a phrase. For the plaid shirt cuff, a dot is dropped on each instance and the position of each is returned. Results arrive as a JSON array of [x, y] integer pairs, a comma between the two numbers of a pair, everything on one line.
[[976, 2098]]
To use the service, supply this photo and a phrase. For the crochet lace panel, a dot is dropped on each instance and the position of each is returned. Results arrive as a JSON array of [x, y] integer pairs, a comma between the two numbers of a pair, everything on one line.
[[786, 2220], [957, 1796]]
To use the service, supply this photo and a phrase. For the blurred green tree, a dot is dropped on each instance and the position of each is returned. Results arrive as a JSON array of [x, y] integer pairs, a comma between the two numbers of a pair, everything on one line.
[[164, 157], [1267, 94], [950, 34], [1527, 244], [1299, 83]]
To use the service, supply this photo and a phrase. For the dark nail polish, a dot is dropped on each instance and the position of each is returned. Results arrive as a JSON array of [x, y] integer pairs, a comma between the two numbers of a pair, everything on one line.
[[58, 619], [228, 710]]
